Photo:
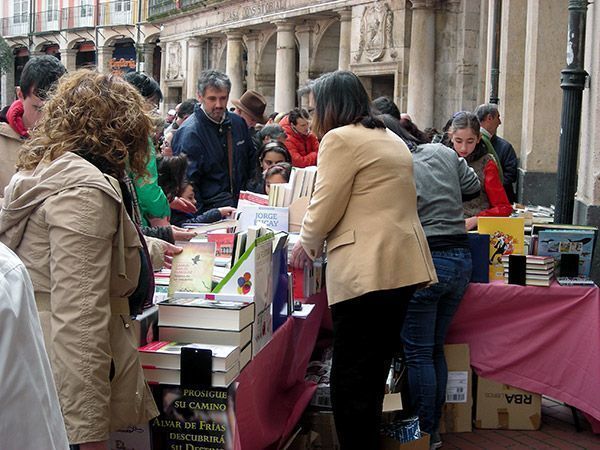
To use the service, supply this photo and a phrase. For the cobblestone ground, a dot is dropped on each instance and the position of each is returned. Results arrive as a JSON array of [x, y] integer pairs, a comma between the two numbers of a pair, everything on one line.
[[557, 432]]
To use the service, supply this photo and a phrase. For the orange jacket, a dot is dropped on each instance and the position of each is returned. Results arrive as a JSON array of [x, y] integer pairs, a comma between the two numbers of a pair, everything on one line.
[[302, 148]]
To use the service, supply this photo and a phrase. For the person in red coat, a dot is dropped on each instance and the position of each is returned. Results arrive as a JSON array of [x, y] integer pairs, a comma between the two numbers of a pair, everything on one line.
[[301, 142]]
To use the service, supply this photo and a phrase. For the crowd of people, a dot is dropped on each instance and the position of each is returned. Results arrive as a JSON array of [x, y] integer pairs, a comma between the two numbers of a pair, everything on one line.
[[85, 189]]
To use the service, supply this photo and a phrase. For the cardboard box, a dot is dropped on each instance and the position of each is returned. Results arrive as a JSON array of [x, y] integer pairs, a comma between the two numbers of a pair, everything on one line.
[[457, 415], [418, 444], [322, 423], [500, 406]]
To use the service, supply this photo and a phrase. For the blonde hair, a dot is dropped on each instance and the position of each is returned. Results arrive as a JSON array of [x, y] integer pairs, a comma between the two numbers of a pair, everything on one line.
[[98, 115]]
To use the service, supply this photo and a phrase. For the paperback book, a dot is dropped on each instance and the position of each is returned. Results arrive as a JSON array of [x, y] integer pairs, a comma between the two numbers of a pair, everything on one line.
[[192, 269], [172, 376], [202, 313], [507, 236], [207, 336], [166, 355], [554, 243]]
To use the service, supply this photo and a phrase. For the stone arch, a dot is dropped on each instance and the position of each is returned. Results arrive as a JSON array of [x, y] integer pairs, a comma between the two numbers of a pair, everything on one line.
[[152, 38], [327, 49]]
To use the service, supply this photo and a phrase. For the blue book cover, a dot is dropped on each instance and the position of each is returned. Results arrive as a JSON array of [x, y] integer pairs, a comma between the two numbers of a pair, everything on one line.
[[556, 242], [480, 245]]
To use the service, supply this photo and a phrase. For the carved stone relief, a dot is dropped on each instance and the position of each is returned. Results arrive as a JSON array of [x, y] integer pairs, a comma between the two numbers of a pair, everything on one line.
[[375, 32], [174, 61]]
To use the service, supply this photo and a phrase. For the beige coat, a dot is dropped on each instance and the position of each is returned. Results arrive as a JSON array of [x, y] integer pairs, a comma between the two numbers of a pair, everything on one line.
[[10, 144], [66, 222], [365, 207]]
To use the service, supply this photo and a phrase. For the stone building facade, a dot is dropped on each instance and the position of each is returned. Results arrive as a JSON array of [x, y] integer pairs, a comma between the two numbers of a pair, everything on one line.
[[432, 56]]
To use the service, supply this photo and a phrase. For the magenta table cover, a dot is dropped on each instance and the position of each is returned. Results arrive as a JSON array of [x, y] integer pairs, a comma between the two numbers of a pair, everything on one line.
[[544, 340], [272, 393]]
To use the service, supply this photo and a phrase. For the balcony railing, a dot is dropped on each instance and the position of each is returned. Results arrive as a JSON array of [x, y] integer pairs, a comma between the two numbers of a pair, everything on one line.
[[17, 25], [190, 3], [78, 17], [47, 21], [118, 12], [160, 7]]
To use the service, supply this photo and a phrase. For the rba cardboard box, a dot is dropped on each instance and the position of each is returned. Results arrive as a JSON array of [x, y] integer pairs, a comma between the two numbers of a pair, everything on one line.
[[458, 410], [500, 406]]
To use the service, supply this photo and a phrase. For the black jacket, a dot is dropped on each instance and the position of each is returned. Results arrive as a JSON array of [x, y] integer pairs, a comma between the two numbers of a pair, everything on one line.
[[205, 144]]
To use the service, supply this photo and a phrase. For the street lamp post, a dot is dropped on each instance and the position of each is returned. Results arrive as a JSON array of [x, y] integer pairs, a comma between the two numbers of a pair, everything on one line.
[[572, 83]]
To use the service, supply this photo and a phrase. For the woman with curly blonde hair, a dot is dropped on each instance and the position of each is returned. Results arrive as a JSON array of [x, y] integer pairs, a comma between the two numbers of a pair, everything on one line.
[[65, 215]]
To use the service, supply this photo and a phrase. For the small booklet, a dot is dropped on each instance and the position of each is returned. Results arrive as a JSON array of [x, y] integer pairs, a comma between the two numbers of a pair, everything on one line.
[[575, 281]]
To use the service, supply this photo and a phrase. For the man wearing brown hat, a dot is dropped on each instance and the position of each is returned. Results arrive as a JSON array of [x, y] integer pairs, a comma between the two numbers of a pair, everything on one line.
[[251, 107]]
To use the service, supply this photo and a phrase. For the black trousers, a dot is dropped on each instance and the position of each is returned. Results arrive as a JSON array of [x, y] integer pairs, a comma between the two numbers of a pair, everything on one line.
[[366, 335]]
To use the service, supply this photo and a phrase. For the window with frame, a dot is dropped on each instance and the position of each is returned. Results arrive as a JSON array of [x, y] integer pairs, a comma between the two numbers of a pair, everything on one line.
[[122, 5], [20, 11], [51, 10], [87, 8]]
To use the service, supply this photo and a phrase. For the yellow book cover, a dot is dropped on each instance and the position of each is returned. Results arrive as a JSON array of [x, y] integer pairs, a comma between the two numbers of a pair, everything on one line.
[[192, 269], [507, 236]]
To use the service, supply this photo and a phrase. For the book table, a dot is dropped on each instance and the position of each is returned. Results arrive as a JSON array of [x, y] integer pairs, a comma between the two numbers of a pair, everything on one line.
[[541, 339], [272, 392]]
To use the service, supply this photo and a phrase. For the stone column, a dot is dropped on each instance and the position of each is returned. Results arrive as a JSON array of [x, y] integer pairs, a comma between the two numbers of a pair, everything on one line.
[[234, 67], [542, 99], [193, 67], [252, 46], [146, 64], [305, 41], [104, 55], [7, 87], [285, 67], [163, 69], [512, 63], [68, 57], [421, 69], [345, 38]]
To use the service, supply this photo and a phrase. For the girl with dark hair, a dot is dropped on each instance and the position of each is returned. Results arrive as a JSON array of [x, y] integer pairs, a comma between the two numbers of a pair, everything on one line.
[[277, 174], [466, 140], [270, 154], [171, 178], [365, 206]]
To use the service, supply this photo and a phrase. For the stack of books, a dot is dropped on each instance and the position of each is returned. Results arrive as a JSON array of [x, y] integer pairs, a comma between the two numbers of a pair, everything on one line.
[[539, 270], [224, 328]]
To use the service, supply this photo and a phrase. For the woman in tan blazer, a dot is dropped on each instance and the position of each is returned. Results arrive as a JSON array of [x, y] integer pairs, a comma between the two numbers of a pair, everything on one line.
[[365, 208]]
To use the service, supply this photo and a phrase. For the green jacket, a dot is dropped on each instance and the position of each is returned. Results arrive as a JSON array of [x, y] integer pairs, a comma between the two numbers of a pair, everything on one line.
[[152, 200]]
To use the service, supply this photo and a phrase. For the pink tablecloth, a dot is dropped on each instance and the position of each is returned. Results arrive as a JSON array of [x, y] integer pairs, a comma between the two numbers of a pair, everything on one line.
[[272, 392], [545, 340]]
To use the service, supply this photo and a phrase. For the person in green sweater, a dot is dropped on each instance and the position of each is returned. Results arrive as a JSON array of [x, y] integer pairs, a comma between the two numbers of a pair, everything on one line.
[[154, 208]]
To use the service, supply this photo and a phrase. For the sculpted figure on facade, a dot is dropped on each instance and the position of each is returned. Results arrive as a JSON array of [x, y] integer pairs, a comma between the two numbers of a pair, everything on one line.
[[174, 66], [376, 28]]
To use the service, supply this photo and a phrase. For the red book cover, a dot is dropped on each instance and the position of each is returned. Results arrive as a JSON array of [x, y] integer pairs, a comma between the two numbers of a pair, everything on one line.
[[223, 242]]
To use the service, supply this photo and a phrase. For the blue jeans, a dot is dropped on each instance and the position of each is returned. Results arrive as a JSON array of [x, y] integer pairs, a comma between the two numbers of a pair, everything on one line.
[[428, 318]]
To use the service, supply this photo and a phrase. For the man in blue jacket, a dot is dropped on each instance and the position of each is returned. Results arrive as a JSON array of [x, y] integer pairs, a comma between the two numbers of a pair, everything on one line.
[[217, 145]]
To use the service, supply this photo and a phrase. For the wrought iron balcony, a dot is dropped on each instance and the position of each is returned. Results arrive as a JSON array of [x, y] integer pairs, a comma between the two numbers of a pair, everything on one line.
[[78, 17], [17, 25], [118, 12], [46, 21]]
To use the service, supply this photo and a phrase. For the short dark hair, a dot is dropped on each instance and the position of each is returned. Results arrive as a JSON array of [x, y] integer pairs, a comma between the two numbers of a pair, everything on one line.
[[341, 99], [283, 168], [298, 113], [186, 108], [485, 110], [385, 105], [145, 84], [273, 130], [40, 74], [214, 79], [465, 119]]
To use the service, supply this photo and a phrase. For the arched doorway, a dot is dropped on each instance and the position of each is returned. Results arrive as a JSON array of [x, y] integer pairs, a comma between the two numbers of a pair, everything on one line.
[[21, 55], [86, 55], [124, 57]]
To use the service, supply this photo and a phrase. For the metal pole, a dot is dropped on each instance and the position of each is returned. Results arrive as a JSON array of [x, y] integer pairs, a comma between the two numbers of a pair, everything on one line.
[[495, 63], [572, 83]]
